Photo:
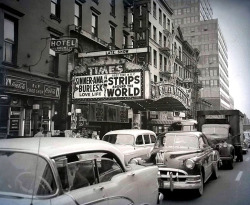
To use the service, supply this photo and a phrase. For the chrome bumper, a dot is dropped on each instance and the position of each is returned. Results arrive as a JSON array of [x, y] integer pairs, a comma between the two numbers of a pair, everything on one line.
[[177, 179]]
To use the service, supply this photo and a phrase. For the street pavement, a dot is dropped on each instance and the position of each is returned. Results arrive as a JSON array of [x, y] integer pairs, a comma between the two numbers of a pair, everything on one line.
[[231, 188]]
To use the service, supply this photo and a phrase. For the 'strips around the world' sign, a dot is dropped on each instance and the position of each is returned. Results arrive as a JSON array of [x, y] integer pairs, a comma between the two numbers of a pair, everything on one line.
[[63, 45], [32, 88], [108, 83]]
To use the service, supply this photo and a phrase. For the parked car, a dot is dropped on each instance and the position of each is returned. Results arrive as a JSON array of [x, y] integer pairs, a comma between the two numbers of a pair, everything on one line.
[[185, 160], [72, 171], [134, 143]]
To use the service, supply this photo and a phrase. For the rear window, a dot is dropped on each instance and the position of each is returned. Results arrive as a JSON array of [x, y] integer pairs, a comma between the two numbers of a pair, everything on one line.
[[152, 137], [24, 173]]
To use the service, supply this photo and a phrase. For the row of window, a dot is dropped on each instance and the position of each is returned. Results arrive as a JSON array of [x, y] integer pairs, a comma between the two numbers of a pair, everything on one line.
[[208, 47], [225, 99], [186, 10], [186, 20], [210, 83], [200, 28], [208, 59], [205, 72], [202, 38], [183, 2]]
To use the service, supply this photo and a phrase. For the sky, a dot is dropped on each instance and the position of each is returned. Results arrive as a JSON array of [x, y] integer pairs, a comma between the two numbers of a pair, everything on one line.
[[234, 20]]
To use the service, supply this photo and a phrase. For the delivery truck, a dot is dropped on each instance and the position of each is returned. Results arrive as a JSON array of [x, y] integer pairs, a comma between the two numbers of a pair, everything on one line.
[[224, 129]]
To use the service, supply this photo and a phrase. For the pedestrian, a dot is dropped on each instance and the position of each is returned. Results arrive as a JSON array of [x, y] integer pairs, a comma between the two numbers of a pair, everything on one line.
[[40, 133]]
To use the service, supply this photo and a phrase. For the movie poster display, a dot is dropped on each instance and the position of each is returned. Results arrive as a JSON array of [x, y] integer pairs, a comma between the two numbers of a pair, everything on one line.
[[108, 86]]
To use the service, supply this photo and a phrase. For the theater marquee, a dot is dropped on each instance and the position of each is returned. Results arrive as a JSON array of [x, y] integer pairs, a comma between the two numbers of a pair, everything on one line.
[[107, 86]]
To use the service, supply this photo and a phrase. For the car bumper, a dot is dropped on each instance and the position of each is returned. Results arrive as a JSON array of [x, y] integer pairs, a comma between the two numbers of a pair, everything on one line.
[[177, 179], [226, 158]]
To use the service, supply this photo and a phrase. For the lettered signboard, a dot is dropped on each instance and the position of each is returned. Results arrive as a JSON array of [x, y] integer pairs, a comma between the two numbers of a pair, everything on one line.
[[107, 83]]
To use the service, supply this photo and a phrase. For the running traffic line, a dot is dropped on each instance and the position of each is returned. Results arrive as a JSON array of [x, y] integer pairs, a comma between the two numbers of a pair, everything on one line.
[[239, 176], [247, 159]]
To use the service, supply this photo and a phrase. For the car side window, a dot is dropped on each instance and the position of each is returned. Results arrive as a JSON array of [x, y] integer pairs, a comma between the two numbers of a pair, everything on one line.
[[139, 140], [107, 168], [146, 139], [153, 139]]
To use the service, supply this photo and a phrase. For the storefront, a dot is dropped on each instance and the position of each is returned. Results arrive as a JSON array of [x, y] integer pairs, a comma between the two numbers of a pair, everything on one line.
[[26, 104]]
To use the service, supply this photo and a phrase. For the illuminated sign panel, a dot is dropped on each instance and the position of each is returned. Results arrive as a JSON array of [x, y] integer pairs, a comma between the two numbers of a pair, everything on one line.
[[107, 86]]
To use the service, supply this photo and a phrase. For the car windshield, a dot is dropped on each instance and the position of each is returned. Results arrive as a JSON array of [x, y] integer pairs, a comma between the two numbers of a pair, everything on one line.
[[181, 140], [215, 132], [123, 139], [25, 174]]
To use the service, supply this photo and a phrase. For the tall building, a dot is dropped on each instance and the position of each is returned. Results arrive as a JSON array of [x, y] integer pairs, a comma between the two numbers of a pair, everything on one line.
[[203, 32]]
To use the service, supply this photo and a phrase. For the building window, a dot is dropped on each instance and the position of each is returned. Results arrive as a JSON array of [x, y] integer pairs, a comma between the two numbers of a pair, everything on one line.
[[150, 55], [112, 5], [140, 10], [164, 41], [155, 78], [155, 59], [154, 33], [53, 61], [78, 14], [10, 40], [160, 38], [150, 31], [55, 8], [169, 24], [160, 17], [125, 41], [94, 29], [160, 56], [112, 35], [164, 21], [154, 9], [179, 52], [125, 16]]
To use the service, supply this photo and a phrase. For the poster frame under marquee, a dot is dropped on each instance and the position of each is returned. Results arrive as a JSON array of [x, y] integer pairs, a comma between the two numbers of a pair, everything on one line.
[[108, 99]]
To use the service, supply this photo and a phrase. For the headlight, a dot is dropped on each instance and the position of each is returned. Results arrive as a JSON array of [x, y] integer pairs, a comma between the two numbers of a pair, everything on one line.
[[224, 144], [189, 164]]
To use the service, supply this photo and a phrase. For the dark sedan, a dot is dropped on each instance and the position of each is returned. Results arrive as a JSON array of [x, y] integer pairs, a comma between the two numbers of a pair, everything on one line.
[[185, 160]]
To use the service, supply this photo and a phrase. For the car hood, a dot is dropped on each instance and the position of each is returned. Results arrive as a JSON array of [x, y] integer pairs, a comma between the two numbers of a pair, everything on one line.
[[175, 158], [20, 201]]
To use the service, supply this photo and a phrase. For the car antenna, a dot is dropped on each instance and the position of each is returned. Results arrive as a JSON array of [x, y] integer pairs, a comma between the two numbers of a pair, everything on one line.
[[38, 150]]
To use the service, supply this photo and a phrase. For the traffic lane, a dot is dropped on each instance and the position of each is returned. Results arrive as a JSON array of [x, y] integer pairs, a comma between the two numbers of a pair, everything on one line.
[[231, 188]]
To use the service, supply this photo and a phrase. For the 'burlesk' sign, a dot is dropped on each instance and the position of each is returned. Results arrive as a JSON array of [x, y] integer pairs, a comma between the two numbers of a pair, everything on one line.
[[108, 86], [32, 88], [162, 90]]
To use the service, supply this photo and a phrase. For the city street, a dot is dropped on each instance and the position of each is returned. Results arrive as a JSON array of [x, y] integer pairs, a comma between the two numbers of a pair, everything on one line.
[[231, 188]]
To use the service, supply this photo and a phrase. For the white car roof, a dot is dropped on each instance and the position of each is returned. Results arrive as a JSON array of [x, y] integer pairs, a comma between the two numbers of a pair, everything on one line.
[[58, 146], [134, 132]]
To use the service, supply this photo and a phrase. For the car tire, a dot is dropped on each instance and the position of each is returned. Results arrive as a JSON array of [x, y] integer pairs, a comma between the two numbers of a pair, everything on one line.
[[215, 173], [199, 192]]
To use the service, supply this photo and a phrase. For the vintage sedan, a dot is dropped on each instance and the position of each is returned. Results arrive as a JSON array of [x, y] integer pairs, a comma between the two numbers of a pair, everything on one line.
[[185, 160], [72, 171], [134, 143]]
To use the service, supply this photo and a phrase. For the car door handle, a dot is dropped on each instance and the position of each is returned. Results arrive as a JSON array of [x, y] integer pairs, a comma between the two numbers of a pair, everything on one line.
[[101, 187], [131, 174]]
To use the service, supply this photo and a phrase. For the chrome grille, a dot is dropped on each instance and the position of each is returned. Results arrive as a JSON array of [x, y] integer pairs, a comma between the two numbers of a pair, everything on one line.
[[177, 175]]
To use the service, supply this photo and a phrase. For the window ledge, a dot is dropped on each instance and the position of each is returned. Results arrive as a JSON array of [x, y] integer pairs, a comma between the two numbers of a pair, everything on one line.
[[10, 64], [54, 17]]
